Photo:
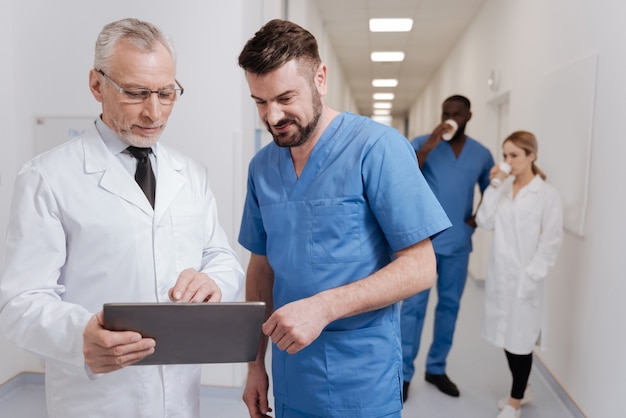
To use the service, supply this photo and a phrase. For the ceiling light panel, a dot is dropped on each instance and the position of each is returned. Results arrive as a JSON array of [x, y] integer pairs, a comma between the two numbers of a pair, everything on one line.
[[383, 96], [391, 25], [384, 82], [382, 105], [387, 56]]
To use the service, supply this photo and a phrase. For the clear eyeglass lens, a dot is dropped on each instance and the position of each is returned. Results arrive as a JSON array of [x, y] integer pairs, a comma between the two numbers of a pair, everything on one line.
[[166, 96]]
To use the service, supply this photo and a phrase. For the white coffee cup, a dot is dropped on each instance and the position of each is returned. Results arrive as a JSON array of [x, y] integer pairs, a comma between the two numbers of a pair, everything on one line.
[[505, 169], [448, 135]]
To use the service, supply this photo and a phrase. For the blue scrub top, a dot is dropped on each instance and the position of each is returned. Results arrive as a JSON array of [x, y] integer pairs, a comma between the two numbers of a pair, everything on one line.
[[359, 199], [453, 181]]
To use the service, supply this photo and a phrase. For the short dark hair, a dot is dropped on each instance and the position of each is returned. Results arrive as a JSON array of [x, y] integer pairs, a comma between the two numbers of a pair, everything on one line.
[[275, 44], [460, 99]]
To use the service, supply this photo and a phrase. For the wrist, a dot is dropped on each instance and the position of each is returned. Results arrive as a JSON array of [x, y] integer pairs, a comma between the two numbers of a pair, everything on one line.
[[257, 365], [328, 305]]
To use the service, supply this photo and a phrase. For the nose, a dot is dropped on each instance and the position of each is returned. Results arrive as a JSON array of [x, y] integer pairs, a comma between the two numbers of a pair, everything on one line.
[[152, 107], [274, 113]]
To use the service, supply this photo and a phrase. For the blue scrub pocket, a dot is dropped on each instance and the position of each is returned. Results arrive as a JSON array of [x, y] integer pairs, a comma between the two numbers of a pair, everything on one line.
[[335, 234], [364, 371]]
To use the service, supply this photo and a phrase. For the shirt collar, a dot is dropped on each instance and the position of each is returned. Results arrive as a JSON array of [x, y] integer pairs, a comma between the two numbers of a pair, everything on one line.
[[536, 183]]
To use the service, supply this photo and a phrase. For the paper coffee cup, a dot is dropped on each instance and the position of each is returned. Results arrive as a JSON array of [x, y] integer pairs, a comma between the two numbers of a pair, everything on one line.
[[505, 169], [448, 135]]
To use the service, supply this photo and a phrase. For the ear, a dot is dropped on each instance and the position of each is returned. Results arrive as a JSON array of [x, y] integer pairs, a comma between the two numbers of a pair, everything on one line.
[[95, 84], [469, 116], [321, 80]]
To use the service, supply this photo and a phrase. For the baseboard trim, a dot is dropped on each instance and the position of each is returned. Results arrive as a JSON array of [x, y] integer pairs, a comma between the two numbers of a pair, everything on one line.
[[22, 379], [556, 387], [221, 392], [543, 371], [30, 378]]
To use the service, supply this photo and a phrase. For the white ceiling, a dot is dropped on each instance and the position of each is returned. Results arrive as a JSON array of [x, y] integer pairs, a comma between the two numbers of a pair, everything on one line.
[[437, 26]]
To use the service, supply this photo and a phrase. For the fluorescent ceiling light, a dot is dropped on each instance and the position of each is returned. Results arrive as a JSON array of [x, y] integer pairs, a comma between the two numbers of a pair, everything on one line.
[[382, 112], [384, 82], [387, 56], [382, 105], [385, 120], [391, 25], [383, 96]]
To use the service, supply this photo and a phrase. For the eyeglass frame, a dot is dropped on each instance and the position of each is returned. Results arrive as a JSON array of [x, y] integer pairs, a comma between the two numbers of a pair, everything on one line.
[[178, 91]]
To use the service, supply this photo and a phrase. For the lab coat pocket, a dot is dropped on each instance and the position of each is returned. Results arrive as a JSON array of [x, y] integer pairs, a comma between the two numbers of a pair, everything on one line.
[[527, 287]]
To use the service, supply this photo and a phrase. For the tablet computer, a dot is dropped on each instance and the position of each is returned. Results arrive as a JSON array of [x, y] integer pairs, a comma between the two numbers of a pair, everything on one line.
[[187, 333]]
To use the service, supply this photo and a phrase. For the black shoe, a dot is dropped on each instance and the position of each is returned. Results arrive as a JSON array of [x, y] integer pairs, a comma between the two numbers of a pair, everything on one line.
[[443, 383], [405, 390]]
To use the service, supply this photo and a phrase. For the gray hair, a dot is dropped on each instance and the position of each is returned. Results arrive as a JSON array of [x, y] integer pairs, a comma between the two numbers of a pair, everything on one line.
[[143, 35]]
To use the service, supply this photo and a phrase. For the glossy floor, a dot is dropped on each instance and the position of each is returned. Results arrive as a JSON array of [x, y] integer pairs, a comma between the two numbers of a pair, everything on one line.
[[478, 368]]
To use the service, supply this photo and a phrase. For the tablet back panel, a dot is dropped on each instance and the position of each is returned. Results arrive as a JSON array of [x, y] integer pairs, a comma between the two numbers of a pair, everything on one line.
[[188, 333]]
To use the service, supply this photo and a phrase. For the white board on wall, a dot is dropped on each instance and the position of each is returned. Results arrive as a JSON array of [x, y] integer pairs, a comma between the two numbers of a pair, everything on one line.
[[51, 131], [563, 115]]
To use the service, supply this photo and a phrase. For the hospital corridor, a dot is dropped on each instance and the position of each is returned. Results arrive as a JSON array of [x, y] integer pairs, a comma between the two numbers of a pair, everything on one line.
[[555, 69]]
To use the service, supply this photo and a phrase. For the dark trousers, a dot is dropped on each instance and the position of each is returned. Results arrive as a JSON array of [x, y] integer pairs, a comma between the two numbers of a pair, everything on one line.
[[520, 366]]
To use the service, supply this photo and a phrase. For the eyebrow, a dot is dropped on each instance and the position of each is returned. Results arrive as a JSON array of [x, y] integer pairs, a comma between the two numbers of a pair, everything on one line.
[[143, 87], [136, 85], [275, 97]]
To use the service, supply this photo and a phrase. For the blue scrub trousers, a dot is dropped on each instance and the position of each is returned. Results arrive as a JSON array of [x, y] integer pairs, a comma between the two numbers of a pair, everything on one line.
[[451, 278], [283, 411]]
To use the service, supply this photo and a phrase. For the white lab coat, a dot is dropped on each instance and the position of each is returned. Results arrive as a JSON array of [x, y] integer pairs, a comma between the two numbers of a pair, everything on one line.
[[81, 233], [528, 232]]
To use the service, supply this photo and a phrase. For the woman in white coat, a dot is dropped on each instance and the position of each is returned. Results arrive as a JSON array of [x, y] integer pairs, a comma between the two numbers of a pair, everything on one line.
[[526, 215]]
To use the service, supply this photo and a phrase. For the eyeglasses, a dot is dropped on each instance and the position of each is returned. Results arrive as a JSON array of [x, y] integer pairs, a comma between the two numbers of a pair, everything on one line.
[[166, 96]]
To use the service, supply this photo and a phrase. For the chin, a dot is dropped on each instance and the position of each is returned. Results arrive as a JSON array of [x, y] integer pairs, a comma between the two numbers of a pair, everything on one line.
[[142, 142]]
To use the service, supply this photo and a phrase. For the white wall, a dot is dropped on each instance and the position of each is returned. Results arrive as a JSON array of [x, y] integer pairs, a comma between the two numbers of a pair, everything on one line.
[[527, 41], [7, 165], [305, 14]]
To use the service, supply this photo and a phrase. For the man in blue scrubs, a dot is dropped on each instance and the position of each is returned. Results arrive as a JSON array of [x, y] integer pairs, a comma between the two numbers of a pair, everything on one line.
[[452, 169], [338, 219]]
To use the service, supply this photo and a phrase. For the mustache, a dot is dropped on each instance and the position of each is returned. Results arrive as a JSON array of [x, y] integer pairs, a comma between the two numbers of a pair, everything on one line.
[[282, 123], [150, 125]]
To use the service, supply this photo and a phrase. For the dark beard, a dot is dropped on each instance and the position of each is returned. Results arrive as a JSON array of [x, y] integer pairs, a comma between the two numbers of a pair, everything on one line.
[[304, 132]]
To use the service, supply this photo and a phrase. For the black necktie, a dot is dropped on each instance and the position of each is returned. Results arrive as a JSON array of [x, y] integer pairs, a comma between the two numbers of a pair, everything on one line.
[[144, 174]]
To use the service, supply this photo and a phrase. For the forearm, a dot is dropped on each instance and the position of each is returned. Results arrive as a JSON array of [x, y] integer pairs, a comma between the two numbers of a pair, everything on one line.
[[219, 261], [32, 312], [550, 240], [259, 286], [422, 154], [486, 212], [428, 146], [413, 270], [46, 326], [223, 267]]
